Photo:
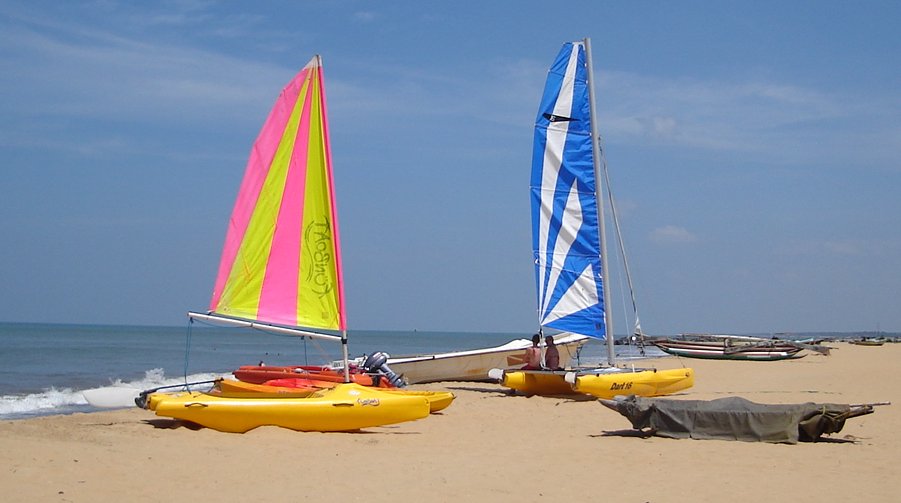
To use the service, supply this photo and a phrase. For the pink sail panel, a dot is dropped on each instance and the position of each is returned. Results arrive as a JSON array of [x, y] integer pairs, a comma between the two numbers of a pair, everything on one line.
[[281, 261]]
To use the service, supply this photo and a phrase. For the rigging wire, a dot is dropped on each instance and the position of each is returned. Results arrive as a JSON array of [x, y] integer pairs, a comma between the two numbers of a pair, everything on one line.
[[317, 348], [188, 337], [636, 327]]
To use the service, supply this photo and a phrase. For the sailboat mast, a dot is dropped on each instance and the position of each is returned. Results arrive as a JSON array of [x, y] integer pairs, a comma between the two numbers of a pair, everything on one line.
[[344, 359], [596, 150]]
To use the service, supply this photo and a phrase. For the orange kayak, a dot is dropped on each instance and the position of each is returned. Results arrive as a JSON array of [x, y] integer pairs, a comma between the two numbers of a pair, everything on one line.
[[256, 374], [299, 388]]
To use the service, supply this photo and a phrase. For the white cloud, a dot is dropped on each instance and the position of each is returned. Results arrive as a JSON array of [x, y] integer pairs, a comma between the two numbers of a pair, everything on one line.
[[773, 121], [74, 75], [365, 16], [672, 234], [847, 248]]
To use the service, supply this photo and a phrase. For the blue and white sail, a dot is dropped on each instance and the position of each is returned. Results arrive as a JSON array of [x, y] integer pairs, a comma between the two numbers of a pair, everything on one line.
[[567, 222]]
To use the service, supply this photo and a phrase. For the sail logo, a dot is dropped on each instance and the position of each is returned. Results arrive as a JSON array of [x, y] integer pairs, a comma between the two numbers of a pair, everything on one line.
[[319, 248], [557, 118]]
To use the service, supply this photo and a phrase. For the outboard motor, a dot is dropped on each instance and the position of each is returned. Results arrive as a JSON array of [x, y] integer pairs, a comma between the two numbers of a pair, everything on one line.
[[141, 400], [372, 362], [378, 362]]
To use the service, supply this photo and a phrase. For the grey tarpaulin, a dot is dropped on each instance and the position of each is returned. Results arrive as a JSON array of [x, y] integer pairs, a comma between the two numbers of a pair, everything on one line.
[[735, 418]]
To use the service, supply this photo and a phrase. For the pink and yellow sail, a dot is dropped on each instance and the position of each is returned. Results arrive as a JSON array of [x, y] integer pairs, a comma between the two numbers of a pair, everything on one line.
[[281, 261]]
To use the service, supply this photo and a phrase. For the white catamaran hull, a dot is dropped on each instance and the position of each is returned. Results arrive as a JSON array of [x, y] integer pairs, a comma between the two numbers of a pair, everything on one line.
[[474, 365]]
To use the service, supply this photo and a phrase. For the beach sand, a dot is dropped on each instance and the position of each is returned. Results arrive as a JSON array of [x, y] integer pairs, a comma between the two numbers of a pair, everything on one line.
[[487, 446]]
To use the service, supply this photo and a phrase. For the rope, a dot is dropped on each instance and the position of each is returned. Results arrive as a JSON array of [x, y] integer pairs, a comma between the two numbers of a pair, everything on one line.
[[188, 336]]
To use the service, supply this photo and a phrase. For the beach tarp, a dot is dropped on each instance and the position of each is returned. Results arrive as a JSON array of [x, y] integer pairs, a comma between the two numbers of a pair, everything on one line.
[[735, 418]]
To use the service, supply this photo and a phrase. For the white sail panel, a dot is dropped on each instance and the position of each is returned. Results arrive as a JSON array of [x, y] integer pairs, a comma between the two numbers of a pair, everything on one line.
[[581, 295]]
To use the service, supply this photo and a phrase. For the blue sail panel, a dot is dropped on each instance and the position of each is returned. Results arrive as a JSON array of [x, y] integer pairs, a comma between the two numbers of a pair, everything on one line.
[[565, 233]]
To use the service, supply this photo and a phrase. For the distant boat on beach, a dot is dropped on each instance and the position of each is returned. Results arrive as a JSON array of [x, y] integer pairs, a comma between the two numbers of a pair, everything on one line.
[[867, 342], [738, 347], [877, 340], [727, 348]]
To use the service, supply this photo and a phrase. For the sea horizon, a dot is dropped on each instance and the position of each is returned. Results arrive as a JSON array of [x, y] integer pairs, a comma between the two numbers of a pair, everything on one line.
[[836, 333]]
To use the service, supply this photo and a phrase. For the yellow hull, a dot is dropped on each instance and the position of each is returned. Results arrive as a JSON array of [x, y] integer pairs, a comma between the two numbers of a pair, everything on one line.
[[345, 407], [642, 383], [600, 384], [537, 382], [438, 400]]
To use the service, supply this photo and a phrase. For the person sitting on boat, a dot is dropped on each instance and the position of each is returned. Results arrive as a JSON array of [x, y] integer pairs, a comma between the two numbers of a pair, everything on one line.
[[551, 354], [533, 355]]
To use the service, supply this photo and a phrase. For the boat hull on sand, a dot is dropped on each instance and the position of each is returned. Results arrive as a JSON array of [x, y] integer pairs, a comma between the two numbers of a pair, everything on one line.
[[735, 418], [866, 343], [710, 350], [473, 365], [345, 407], [646, 383], [535, 382], [601, 383]]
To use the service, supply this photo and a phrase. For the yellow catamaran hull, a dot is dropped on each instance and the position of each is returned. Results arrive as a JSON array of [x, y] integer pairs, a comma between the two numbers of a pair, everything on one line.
[[345, 407], [600, 383], [537, 382], [642, 383]]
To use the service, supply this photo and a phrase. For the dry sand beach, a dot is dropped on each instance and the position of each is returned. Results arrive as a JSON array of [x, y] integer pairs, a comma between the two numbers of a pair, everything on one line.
[[488, 446]]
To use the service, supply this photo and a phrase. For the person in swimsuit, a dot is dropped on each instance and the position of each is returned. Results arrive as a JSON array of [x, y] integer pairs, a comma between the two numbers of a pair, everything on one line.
[[551, 354], [533, 355]]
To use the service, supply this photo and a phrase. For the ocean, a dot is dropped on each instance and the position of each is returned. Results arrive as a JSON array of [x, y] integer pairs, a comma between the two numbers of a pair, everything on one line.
[[45, 367]]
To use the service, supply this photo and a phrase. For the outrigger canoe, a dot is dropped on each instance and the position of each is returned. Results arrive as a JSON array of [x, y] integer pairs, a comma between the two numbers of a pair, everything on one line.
[[727, 349]]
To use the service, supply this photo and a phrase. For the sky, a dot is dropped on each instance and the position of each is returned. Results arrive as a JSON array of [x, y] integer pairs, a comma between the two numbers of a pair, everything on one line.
[[753, 150]]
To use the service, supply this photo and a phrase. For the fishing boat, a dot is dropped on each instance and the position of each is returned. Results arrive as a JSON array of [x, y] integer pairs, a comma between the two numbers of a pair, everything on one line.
[[569, 239], [867, 342], [728, 348], [281, 272]]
